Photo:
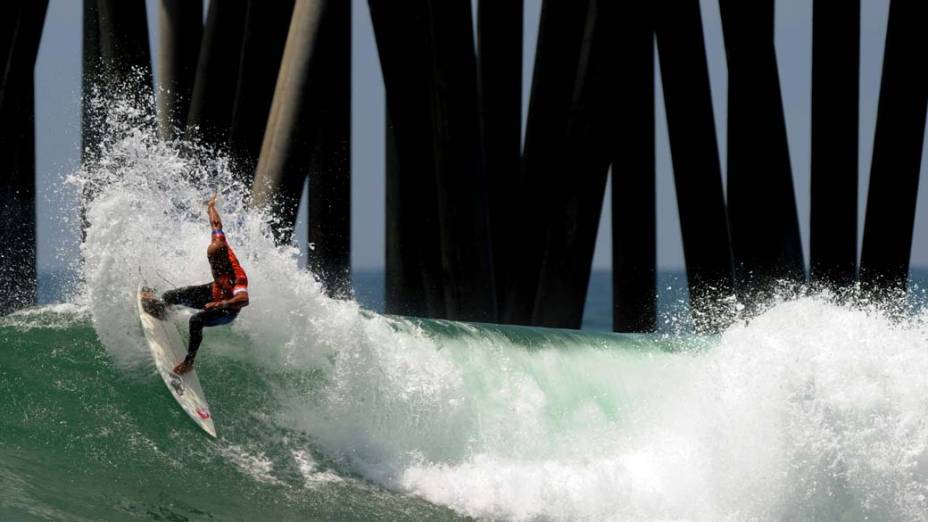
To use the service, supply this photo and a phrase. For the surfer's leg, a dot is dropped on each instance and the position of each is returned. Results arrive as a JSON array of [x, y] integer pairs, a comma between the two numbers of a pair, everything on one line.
[[199, 320], [192, 296], [196, 336]]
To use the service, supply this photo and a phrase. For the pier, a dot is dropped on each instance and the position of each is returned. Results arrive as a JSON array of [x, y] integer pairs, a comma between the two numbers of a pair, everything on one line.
[[489, 219]]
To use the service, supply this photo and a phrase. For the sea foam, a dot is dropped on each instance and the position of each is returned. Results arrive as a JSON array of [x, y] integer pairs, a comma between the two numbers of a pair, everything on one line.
[[811, 410]]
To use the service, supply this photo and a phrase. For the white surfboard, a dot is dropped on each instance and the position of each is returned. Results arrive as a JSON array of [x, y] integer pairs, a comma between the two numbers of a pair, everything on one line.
[[167, 348]]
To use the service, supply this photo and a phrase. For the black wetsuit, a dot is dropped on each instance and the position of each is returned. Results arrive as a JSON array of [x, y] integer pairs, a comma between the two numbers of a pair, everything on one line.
[[197, 297]]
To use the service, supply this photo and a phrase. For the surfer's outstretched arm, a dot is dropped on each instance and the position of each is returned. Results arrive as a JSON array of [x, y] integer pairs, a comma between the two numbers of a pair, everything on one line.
[[218, 238], [214, 220]]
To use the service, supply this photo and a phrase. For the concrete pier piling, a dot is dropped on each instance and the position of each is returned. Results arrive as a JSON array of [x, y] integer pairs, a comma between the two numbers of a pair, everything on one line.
[[217, 72], [463, 206], [308, 133], [607, 118], [20, 34], [286, 151], [412, 271], [695, 156], [180, 29], [610, 121], [835, 128], [329, 232], [266, 28], [557, 54], [427, 57], [897, 148], [124, 50], [90, 71], [21, 27], [116, 61], [634, 219], [480, 226], [499, 59], [17, 202], [91, 116], [762, 214], [414, 275], [585, 153]]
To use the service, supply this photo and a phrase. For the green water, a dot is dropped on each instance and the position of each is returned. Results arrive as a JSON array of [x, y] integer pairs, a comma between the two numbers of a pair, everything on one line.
[[808, 412], [83, 440]]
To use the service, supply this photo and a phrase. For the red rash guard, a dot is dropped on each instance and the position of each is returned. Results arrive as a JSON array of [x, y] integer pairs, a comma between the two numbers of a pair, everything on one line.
[[228, 285]]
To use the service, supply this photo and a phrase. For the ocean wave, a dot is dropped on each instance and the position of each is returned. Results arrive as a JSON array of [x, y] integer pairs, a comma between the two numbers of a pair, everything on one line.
[[810, 410]]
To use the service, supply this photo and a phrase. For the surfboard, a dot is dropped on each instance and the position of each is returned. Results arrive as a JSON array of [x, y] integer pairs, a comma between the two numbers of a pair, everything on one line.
[[167, 348]]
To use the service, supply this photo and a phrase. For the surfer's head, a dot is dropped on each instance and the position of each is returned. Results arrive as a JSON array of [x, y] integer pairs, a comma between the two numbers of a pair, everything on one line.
[[219, 259]]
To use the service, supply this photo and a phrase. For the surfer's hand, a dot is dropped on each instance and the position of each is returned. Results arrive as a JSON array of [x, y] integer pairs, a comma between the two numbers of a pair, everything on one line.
[[214, 304], [183, 367], [211, 202]]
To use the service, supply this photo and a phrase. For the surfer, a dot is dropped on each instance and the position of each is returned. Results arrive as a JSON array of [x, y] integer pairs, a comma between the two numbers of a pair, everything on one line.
[[219, 301]]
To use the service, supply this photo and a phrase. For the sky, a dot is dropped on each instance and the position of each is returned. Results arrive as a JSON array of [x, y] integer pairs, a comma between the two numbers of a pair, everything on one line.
[[58, 127]]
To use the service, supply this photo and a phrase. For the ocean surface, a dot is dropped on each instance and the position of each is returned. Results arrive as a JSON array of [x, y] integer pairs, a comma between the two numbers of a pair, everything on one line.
[[328, 410], [813, 409]]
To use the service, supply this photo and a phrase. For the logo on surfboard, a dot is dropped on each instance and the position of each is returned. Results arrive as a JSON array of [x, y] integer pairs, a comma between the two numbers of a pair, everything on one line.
[[177, 384], [203, 413]]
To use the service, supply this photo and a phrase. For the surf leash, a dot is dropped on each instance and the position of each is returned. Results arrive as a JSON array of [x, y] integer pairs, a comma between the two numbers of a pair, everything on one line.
[[165, 279]]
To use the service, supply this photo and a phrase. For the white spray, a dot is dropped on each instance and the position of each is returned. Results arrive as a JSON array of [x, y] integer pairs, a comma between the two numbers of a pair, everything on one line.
[[812, 411]]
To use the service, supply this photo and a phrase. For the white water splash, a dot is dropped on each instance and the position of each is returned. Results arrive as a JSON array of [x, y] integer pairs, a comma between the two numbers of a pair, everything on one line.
[[148, 222], [810, 411], [60, 316]]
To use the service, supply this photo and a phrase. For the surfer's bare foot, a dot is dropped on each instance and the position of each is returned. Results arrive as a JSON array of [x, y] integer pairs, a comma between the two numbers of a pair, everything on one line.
[[183, 367]]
